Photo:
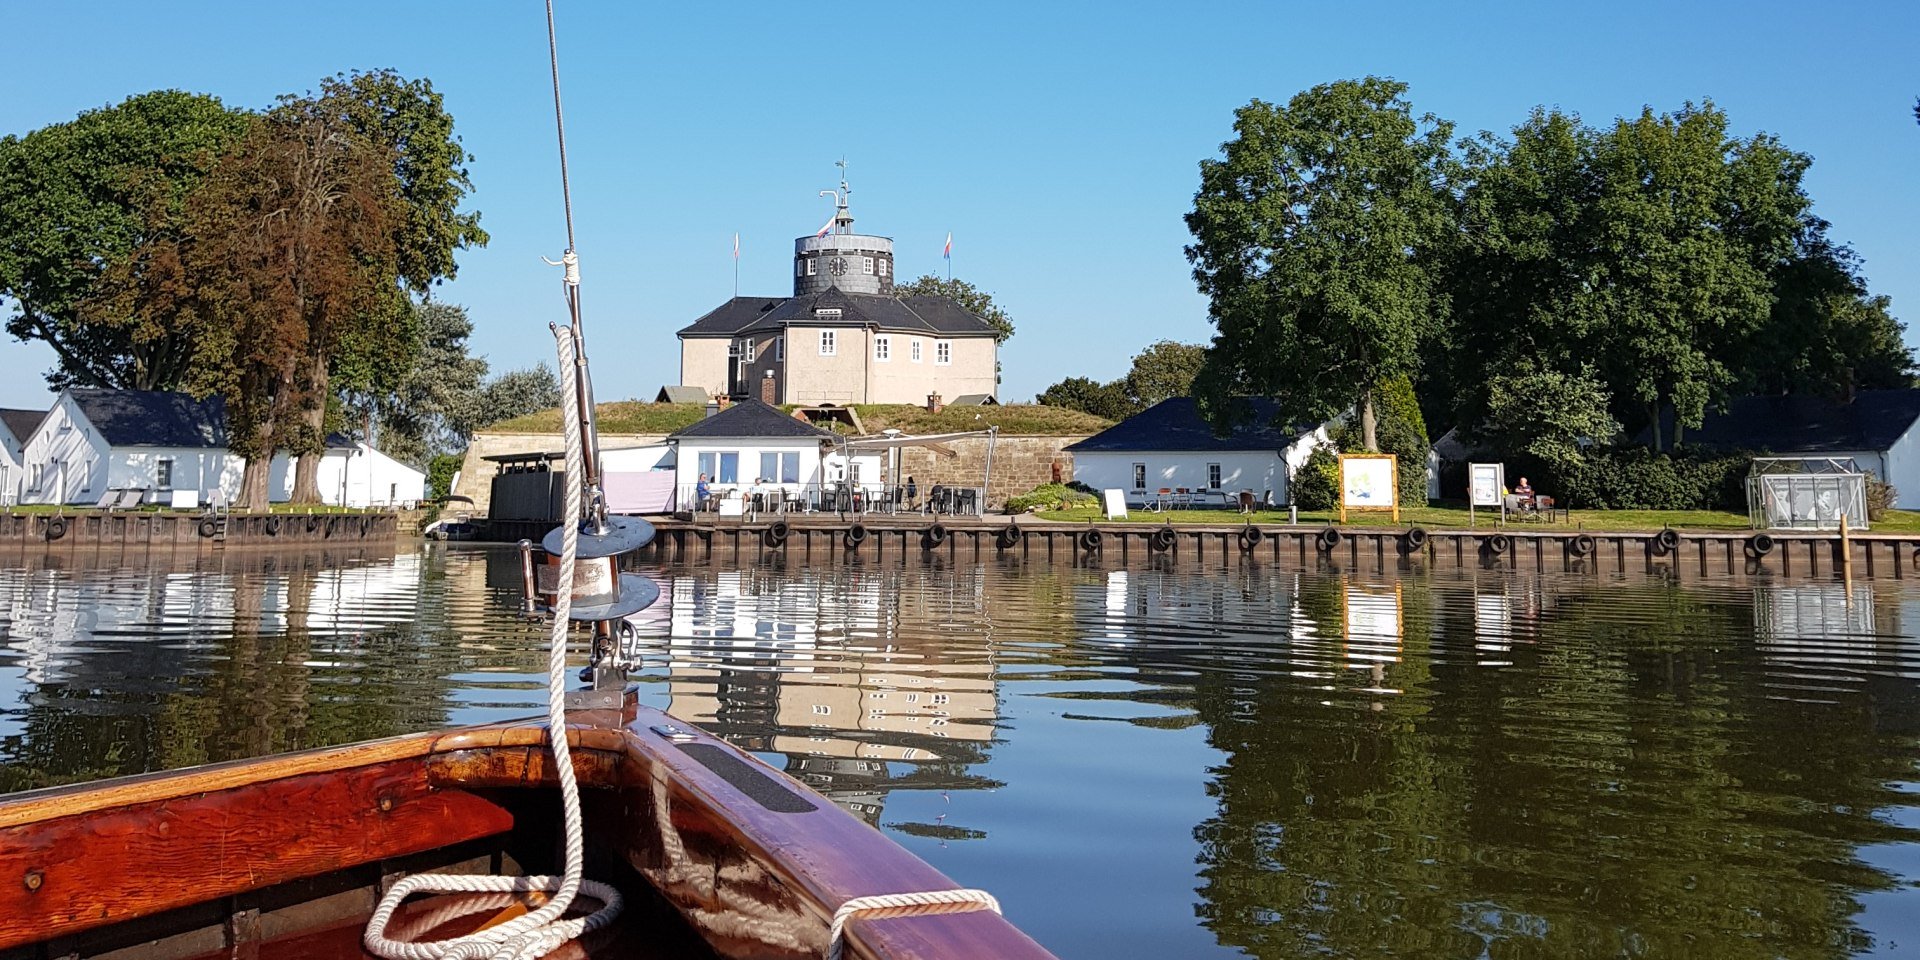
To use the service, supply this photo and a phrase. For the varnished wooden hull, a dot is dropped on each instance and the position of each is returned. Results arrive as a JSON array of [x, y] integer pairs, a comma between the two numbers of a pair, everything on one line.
[[753, 861]]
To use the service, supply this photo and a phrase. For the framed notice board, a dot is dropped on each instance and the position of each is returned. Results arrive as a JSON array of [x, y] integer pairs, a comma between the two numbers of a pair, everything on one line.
[[1369, 481]]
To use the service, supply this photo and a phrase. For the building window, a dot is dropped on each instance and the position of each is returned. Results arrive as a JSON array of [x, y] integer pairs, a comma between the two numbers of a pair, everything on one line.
[[827, 345], [823, 710], [882, 348], [746, 351], [942, 352], [883, 267], [810, 267], [163, 473], [36, 472], [729, 471], [1139, 476], [799, 268], [779, 348], [777, 467], [866, 266], [915, 350], [1213, 476]]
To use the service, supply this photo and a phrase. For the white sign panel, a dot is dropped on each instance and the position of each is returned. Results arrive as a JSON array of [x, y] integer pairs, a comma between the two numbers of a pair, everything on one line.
[[1486, 481], [1366, 482], [1116, 503]]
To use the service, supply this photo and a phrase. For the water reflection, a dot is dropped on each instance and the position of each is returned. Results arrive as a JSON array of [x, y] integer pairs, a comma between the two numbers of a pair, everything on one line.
[[1157, 759]]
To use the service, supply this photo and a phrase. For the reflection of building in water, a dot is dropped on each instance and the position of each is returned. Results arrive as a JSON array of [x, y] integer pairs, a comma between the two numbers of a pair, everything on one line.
[[1374, 627], [814, 668]]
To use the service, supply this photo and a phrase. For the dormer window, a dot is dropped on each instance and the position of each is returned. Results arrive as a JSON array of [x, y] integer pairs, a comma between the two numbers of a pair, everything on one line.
[[827, 313]]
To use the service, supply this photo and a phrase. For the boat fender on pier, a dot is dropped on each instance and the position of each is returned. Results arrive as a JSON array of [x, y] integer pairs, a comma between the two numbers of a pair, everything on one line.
[[1415, 538], [933, 536], [1499, 544], [855, 535], [1760, 544], [1665, 542], [1250, 537], [1090, 541], [1009, 537], [272, 526], [209, 527], [1327, 539], [1582, 545], [1161, 540]]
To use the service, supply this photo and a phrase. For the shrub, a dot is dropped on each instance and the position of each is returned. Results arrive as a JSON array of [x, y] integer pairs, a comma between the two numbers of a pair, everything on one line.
[[1881, 497], [1635, 478], [1048, 496], [1316, 485]]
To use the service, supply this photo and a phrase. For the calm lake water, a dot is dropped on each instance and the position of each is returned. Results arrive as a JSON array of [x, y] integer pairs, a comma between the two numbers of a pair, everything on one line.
[[1175, 762]]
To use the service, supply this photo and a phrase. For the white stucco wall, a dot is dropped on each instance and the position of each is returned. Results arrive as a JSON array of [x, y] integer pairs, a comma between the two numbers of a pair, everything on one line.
[[358, 477], [703, 363], [687, 461], [1259, 471], [70, 456], [1901, 467]]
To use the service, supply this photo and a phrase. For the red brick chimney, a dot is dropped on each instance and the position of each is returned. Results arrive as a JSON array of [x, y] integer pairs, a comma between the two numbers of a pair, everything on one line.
[[767, 394], [933, 403]]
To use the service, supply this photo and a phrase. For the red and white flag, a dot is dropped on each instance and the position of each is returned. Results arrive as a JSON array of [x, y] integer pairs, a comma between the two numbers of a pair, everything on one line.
[[947, 253], [736, 246], [827, 227]]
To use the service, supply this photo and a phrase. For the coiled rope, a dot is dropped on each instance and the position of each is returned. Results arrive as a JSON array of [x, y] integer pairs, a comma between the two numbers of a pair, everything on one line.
[[905, 905], [542, 930]]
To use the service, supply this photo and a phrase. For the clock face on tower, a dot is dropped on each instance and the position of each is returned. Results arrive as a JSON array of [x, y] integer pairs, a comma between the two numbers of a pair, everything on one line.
[[838, 267]]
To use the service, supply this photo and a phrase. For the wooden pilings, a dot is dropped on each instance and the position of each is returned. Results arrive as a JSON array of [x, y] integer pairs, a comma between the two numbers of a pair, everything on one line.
[[1560, 550], [142, 528]]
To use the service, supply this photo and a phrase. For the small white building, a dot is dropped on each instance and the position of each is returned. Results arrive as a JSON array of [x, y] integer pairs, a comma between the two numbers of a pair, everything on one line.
[[16, 427], [752, 445], [163, 444], [1169, 446], [1876, 428]]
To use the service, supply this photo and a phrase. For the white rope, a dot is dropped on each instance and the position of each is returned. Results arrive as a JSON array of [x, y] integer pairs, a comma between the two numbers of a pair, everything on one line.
[[905, 905], [540, 931]]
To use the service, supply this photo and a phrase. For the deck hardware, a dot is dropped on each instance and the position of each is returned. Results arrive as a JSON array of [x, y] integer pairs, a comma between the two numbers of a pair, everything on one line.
[[33, 881]]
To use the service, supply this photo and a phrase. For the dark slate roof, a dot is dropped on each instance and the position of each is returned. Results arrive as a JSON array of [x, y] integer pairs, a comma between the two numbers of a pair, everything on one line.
[[681, 394], [731, 317], [747, 419], [1176, 425], [143, 418], [974, 400], [21, 423], [936, 316], [1873, 421]]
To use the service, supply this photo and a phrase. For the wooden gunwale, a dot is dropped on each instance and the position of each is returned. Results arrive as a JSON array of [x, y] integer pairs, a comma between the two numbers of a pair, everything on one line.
[[111, 852]]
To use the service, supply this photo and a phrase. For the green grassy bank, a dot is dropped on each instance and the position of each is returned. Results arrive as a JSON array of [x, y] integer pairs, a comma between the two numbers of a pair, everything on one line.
[[1895, 521]]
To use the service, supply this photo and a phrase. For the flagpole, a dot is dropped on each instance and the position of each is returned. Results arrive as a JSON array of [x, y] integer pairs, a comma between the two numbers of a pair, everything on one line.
[[736, 265]]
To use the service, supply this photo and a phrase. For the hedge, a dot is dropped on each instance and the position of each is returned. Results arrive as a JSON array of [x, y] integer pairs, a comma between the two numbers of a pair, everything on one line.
[[1635, 478]]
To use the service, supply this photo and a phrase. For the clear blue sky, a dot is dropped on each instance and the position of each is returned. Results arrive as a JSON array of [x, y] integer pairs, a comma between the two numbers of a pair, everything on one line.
[[1057, 141]]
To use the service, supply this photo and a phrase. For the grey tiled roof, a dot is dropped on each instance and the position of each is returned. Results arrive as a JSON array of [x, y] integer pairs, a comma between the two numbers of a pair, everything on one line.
[[937, 316], [152, 418], [21, 423], [748, 419], [1873, 421], [1176, 425], [681, 394]]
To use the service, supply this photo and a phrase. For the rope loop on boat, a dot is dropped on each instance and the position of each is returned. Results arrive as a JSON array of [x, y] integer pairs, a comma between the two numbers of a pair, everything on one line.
[[904, 905], [540, 931]]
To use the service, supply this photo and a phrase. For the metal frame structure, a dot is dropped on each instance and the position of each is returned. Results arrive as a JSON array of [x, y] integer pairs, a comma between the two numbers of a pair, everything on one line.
[[1806, 493]]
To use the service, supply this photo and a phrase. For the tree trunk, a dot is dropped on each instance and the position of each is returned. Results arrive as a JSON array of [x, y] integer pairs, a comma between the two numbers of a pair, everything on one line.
[[1368, 436], [253, 483], [306, 469], [1656, 427]]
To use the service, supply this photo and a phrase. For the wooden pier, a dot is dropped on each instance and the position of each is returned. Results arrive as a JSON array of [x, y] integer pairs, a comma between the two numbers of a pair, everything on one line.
[[831, 538], [94, 528]]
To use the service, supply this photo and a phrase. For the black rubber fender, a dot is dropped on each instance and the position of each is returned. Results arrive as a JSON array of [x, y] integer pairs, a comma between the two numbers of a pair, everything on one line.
[[56, 528], [1327, 539], [313, 522], [1161, 540], [855, 535], [1760, 544], [1415, 538], [1008, 537], [1090, 540], [1250, 537], [1499, 543], [209, 527], [271, 525], [1582, 545], [933, 536], [1666, 541]]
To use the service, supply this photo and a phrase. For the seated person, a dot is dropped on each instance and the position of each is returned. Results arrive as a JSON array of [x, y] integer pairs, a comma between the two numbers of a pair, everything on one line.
[[1523, 488], [702, 494]]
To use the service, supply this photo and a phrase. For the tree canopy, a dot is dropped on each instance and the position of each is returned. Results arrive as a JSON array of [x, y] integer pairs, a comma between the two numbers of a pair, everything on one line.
[[1163, 370], [1314, 234]]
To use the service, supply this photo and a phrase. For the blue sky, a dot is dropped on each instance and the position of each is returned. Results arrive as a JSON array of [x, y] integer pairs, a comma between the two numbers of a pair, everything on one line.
[[1057, 141]]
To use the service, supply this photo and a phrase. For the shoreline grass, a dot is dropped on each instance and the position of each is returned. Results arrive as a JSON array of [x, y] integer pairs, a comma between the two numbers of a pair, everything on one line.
[[1456, 518]]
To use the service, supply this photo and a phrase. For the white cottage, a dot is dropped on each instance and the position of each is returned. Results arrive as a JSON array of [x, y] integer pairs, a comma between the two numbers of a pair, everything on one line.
[[1876, 428], [16, 427], [170, 446], [1168, 447], [753, 445]]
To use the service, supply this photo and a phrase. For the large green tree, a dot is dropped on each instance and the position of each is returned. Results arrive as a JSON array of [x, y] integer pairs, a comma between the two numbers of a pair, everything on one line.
[[418, 417], [1163, 370], [1315, 234], [77, 200], [1087, 395], [977, 301]]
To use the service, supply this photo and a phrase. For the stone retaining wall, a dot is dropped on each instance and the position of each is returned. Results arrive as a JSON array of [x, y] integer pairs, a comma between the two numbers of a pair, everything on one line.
[[1020, 463]]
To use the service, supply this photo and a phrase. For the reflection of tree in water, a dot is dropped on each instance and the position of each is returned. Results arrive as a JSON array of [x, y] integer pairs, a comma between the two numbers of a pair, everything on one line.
[[1631, 788], [205, 667]]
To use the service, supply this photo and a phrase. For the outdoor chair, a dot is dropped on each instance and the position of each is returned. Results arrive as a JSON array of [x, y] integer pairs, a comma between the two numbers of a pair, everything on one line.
[[1246, 501]]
